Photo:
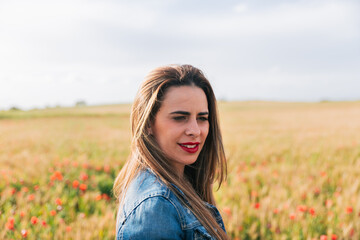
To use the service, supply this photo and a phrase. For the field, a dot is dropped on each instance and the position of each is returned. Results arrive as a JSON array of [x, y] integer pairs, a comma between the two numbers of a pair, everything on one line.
[[293, 171]]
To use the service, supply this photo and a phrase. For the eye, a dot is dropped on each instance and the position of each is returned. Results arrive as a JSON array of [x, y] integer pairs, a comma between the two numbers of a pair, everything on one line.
[[179, 118], [203, 118]]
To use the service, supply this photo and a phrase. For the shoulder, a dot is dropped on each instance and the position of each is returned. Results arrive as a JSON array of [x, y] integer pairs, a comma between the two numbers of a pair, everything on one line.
[[148, 190], [149, 205], [144, 186], [154, 218]]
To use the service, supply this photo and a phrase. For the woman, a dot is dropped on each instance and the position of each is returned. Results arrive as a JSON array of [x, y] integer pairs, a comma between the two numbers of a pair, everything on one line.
[[165, 187]]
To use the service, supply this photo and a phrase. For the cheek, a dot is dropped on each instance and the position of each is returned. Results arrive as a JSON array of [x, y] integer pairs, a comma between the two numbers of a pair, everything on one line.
[[166, 135], [205, 130]]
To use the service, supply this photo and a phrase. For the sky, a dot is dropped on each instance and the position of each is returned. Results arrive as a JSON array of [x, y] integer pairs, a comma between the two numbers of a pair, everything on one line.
[[54, 53]]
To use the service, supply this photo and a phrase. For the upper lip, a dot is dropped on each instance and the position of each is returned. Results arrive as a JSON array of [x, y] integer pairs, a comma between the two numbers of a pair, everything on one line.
[[189, 143]]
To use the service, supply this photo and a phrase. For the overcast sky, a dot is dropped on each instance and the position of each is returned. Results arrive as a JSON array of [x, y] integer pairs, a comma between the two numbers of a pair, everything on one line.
[[58, 52]]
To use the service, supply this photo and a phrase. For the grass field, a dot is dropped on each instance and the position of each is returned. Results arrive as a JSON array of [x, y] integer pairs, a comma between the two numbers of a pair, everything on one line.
[[293, 171]]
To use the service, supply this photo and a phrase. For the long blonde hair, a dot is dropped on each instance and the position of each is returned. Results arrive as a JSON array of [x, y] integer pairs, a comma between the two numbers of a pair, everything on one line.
[[146, 153]]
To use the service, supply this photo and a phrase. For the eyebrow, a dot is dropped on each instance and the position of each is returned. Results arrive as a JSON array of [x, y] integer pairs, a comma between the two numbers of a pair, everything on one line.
[[187, 113]]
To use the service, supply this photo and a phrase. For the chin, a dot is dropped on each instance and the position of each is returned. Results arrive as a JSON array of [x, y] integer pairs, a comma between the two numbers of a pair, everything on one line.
[[190, 161]]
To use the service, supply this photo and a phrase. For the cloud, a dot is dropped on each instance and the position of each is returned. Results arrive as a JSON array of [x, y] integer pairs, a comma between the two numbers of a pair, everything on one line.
[[240, 8], [101, 50], [333, 19]]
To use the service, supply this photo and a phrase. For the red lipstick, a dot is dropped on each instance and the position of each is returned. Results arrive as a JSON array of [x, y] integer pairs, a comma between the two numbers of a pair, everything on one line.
[[190, 147]]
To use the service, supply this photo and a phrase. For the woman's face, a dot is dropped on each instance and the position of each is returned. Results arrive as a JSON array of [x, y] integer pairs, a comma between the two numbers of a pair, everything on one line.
[[181, 125]]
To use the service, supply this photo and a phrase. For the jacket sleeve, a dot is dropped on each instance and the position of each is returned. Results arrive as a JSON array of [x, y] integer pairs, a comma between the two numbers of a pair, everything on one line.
[[154, 218]]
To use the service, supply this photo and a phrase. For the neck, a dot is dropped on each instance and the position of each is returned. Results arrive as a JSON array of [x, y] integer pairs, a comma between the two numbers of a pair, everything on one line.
[[179, 170]]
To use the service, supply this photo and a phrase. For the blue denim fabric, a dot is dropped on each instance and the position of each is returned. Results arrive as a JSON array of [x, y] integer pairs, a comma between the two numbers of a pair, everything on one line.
[[152, 211]]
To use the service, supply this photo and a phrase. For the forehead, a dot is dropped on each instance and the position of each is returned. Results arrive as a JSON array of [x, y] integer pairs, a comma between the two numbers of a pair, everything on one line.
[[189, 98]]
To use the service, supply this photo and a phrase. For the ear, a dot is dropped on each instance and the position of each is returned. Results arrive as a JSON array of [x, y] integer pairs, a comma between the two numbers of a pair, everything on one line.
[[149, 131]]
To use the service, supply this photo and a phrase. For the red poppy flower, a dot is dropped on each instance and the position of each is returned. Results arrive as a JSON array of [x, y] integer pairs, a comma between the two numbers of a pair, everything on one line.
[[312, 211], [24, 233], [227, 211], [328, 203], [11, 220], [34, 220], [13, 191], [82, 187], [58, 201], [75, 184], [302, 208], [84, 176], [31, 197], [107, 168], [56, 176], [323, 237], [10, 223], [105, 196]]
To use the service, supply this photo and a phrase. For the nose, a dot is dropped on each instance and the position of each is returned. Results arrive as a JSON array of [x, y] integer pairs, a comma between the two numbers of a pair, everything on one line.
[[192, 128]]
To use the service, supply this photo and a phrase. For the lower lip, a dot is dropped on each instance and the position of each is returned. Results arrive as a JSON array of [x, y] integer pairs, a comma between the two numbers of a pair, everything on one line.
[[190, 150]]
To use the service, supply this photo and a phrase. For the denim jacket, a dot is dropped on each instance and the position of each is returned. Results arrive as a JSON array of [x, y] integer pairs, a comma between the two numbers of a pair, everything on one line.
[[152, 211]]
